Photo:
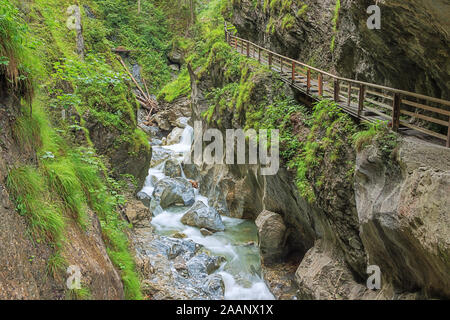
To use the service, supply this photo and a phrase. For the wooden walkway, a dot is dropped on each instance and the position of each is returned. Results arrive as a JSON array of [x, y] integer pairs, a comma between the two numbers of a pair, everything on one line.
[[362, 100]]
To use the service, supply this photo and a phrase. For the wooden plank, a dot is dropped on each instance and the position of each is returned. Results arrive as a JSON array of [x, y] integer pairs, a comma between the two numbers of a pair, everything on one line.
[[423, 130], [424, 117], [425, 107]]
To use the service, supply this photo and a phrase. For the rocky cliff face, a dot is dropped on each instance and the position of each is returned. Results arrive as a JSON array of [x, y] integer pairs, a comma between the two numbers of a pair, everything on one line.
[[403, 214], [413, 39], [390, 213], [24, 271]]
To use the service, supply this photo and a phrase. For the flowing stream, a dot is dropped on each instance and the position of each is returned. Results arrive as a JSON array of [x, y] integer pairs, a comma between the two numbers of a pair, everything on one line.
[[237, 244]]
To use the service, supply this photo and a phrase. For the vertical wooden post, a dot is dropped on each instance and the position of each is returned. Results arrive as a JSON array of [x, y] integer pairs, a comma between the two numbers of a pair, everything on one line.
[[349, 94], [336, 90], [242, 47], [281, 64], [293, 72], [362, 93], [448, 134], [308, 80], [270, 60], [248, 49], [235, 43], [320, 84], [259, 55], [396, 111]]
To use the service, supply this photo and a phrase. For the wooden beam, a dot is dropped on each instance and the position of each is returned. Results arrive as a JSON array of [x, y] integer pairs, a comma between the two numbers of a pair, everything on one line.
[[362, 93], [396, 111], [349, 92], [320, 84], [336, 90], [293, 72], [308, 81]]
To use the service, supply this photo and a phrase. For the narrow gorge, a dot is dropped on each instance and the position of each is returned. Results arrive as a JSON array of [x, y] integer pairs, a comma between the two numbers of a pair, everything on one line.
[[101, 120]]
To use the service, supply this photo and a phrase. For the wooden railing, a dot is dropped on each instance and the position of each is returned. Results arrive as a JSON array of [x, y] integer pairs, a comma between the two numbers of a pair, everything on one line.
[[363, 100]]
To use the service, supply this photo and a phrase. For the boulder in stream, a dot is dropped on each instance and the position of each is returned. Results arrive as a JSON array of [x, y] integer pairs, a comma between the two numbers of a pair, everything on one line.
[[172, 168], [202, 216], [173, 191]]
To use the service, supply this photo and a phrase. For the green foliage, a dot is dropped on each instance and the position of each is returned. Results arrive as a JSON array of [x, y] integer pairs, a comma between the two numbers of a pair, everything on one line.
[[146, 34], [178, 88], [16, 61], [79, 294], [207, 42], [288, 22], [334, 22], [376, 133], [302, 10], [30, 194], [69, 181]]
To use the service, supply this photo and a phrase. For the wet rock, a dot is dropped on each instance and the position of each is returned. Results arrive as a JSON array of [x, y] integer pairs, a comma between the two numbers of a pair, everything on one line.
[[202, 216], [156, 142], [172, 168], [179, 235], [271, 236], [214, 285], [182, 122], [203, 264], [173, 191], [159, 155], [177, 269], [174, 137], [191, 171], [172, 248], [206, 232]]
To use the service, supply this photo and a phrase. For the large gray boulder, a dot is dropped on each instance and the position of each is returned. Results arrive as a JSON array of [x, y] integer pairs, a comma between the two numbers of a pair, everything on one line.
[[202, 216], [173, 191], [271, 236]]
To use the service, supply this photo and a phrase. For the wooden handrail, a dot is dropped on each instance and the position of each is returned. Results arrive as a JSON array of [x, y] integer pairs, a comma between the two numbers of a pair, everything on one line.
[[368, 84], [301, 70]]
